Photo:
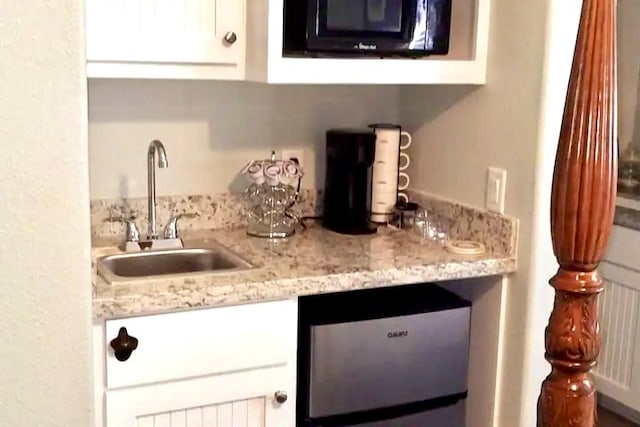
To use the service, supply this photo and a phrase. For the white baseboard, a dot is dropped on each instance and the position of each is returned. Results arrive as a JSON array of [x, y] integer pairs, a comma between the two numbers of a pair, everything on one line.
[[618, 408]]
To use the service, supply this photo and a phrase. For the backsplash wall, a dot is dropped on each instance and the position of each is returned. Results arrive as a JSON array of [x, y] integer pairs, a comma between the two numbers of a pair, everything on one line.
[[212, 129]]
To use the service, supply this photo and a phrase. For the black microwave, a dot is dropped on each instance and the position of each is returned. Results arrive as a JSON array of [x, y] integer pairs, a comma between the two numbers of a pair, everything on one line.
[[366, 27]]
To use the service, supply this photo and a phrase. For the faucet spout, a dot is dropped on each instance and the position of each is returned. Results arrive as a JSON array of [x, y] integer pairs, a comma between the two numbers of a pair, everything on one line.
[[155, 148]]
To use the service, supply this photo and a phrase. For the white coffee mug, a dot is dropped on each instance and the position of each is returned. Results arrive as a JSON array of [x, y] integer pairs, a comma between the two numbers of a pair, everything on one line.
[[408, 140], [407, 161], [403, 185]]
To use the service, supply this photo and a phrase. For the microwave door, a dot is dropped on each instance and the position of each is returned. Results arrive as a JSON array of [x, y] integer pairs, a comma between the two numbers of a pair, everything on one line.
[[361, 25], [383, 16], [357, 28], [376, 11], [362, 17]]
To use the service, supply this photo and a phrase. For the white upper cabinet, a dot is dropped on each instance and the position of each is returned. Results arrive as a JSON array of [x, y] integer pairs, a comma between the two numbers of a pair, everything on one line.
[[466, 62], [243, 40], [196, 39]]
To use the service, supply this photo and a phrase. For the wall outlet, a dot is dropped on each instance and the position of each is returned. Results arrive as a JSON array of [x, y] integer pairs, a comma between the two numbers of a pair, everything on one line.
[[293, 153], [496, 188]]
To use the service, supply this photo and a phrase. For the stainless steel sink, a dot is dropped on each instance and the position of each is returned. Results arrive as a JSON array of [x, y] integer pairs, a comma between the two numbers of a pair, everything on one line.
[[136, 265]]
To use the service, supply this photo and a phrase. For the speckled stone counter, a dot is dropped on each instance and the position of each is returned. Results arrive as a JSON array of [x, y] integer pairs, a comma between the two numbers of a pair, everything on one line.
[[311, 262], [628, 210], [628, 218]]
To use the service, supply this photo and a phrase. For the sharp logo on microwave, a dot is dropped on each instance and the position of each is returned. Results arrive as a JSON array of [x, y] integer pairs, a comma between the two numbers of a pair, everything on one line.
[[397, 334], [365, 46]]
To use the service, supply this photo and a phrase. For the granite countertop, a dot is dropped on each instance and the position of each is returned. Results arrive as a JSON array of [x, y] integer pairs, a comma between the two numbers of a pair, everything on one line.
[[313, 261], [628, 210], [629, 195]]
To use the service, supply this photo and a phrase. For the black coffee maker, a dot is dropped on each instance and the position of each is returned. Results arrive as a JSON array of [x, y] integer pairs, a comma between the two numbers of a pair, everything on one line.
[[350, 155]]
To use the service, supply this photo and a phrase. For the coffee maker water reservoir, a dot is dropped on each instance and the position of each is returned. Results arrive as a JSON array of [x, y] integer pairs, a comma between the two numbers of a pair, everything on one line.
[[350, 156]]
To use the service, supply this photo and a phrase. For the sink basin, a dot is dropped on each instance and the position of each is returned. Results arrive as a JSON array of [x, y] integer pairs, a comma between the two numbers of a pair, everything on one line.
[[135, 265]]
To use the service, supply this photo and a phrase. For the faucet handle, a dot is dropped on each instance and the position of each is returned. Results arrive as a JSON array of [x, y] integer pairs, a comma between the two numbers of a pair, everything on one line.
[[132, 230], [171, 230]]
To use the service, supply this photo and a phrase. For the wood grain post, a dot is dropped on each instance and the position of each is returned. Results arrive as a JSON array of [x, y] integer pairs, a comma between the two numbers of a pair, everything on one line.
[[582, 209]]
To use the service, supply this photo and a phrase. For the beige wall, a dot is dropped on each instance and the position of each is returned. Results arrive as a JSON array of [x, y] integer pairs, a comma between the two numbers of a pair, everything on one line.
[[511, 123], [628, 71], [212, 129], [45, 291]]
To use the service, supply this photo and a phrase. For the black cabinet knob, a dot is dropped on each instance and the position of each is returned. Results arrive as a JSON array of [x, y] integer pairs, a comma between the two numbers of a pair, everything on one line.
[[123, 345], [281, 396]]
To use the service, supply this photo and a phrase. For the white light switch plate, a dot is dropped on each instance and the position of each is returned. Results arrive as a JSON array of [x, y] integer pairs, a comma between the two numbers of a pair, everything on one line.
[[496, 187]]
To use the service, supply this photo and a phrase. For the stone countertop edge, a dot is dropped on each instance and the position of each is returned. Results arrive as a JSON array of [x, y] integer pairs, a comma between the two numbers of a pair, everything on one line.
[[627, 218], [628, 211], [312, 262]]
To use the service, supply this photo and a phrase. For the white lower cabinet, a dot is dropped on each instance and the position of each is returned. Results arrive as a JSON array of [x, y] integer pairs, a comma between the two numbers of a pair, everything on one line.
[[618, 370], [239, 413], [245, 399], [221, 367]]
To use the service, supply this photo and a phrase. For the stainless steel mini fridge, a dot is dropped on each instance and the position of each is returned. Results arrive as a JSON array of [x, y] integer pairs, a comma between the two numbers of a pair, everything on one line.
[[389, 357]]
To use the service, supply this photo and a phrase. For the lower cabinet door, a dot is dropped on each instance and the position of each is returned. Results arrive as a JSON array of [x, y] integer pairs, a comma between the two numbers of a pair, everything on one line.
[[618, 371], [243, 399], [248, 412]]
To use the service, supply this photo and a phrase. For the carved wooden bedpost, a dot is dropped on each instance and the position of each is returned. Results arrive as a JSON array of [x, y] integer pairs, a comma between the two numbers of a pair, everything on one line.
[[582, 208]]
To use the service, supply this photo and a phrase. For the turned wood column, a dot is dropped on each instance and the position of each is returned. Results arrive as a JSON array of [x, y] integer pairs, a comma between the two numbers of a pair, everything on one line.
[[582, 208]]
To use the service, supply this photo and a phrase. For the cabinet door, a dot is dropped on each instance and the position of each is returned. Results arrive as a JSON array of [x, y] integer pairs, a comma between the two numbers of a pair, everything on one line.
[[198, 343], [618, 370], [241, 413], [165, 31], [243, 399]]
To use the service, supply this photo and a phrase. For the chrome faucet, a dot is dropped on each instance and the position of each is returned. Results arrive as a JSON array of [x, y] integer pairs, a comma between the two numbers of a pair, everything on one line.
[[171, 238], [154, 147]]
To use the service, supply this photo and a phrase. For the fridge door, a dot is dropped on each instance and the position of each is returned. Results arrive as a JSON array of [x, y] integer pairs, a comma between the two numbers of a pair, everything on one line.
[[363, 365]]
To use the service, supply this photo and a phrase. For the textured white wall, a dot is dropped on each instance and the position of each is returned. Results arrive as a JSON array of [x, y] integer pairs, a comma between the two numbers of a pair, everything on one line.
[[45, 288], [561, 32], [512, 123], [212, 129]]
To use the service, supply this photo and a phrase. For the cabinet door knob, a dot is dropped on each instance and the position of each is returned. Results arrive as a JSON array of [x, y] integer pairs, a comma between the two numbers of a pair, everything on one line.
[[123, 345], [230, 37], [281, 396]]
